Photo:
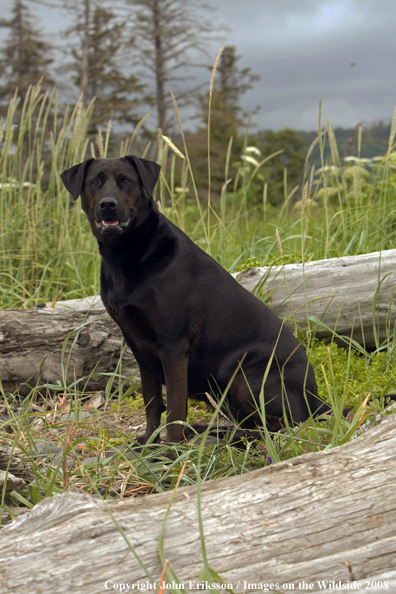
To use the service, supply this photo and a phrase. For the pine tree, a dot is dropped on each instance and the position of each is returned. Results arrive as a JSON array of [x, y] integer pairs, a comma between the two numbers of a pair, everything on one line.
[[25, 57], [230, 84], [292, 159], [227, 118], [97, 67]]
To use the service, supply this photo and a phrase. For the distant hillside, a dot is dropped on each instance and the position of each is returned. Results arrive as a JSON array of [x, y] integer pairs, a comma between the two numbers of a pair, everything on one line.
[[375, 138]]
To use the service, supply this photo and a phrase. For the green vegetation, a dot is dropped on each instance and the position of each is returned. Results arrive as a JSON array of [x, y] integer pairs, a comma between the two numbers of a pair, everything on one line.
[[48, 253], [371, 374]]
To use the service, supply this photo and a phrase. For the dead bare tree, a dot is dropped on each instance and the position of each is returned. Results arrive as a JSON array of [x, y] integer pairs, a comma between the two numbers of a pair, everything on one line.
[[85, 53], [171, 37]]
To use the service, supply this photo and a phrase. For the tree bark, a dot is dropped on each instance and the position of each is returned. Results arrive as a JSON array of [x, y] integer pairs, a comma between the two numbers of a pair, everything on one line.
[[159, 65], [325, 519], [351, 293], [85, 54]]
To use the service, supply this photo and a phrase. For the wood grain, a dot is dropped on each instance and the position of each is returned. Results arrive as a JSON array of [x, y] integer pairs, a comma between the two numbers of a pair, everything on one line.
[[305, 519]]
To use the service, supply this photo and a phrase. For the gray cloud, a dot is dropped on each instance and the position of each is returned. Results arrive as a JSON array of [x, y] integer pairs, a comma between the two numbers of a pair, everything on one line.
[[303, 51]]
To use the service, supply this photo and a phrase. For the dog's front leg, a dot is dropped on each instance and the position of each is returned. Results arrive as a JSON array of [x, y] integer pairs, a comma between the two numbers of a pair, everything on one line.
[[176, 396], [153, 402]]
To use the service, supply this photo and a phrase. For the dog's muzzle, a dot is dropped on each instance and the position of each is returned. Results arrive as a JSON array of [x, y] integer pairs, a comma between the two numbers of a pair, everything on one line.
[[112, 225]]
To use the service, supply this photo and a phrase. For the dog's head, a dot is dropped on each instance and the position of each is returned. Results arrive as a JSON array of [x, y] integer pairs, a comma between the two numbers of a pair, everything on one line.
[[116, 193]]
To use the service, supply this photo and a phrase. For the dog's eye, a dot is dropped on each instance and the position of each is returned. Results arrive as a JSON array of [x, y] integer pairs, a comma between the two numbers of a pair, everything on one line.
[[126, 180], [95, 182]]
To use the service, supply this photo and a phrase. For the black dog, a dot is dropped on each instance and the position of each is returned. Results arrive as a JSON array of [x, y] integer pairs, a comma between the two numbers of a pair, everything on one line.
[[187, 321]]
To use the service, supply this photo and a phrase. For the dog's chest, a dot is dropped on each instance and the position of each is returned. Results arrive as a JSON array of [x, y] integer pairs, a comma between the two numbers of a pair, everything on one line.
[[141, 333], [136, 313], [137, 323]]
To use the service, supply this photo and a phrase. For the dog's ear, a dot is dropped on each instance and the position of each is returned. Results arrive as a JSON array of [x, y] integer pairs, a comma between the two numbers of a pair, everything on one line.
[[148, 172], [73, 178]]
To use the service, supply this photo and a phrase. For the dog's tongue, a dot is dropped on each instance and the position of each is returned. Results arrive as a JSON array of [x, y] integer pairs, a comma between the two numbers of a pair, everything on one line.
[[109, 222]]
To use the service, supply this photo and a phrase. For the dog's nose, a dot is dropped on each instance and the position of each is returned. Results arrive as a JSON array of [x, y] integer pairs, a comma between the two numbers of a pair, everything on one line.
[[108, 203]]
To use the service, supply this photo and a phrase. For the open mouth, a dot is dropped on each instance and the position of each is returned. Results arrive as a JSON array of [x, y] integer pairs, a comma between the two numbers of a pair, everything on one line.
[[112, 224]]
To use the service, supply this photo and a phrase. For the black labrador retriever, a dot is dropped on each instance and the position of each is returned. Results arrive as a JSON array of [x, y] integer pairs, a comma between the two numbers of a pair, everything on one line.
[[187, 321]]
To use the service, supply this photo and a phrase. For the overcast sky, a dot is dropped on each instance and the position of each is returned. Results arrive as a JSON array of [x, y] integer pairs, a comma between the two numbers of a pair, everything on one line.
[[343, 51]]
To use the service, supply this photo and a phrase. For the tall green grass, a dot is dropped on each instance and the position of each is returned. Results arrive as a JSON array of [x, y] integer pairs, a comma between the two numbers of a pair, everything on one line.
[[45, 250], [48, 252]]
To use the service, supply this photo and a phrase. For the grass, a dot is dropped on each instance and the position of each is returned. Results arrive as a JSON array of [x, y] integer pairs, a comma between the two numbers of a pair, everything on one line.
[[48, 253]]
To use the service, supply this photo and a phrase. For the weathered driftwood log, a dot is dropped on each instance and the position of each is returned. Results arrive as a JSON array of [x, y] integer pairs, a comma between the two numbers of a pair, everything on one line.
[[351, 292], [326, 518], [74, 339], [19, 468], [356, 292]]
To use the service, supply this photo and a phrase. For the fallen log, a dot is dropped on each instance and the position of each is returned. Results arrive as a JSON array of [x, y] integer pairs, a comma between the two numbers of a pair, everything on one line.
[[75, 339], [353, 293], [19, 468], [323, 520]]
